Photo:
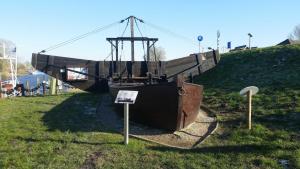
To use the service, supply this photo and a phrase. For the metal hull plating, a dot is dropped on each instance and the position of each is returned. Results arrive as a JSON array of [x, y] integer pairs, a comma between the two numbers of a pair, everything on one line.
[[169, 105]]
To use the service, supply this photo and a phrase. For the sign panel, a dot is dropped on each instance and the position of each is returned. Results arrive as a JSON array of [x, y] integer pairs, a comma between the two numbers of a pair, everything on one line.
[[126, 96], [253, 89], [75, 73], [228, 45], [200, 38]]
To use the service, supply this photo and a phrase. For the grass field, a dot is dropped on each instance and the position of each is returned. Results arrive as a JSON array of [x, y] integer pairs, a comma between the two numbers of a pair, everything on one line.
[[63, 132]]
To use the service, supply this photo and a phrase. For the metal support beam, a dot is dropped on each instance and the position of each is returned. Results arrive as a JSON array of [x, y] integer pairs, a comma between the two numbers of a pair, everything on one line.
[[117, 55], [148, 50], [112, 60], [130, 39]]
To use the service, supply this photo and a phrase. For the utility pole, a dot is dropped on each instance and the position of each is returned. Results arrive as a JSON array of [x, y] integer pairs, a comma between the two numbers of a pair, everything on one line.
[[218, 36], [132, 36]]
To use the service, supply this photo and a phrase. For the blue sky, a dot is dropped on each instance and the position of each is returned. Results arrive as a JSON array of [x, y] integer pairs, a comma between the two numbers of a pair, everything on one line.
[[34, 25]]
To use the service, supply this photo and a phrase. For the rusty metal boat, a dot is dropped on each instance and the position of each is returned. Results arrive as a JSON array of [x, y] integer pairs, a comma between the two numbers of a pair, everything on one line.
[[167, 97], [170, 105]]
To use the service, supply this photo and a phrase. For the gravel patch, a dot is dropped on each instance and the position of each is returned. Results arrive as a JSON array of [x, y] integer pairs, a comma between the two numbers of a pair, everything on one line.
[[186, 138]]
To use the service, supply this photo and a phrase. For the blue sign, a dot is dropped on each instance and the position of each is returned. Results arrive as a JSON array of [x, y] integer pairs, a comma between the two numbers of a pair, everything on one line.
[[200, 38], [228, 45]]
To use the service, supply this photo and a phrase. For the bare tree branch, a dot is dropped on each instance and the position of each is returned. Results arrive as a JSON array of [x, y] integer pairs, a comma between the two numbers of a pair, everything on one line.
[[295, 35], [160, 54]]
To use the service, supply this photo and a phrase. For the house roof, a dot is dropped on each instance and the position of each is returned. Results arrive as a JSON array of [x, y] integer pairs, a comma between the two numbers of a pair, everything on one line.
[[289, 41]]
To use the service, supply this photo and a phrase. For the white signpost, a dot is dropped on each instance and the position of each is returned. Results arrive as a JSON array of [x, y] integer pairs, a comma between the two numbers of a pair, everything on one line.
[[126, 97], [249, 91]]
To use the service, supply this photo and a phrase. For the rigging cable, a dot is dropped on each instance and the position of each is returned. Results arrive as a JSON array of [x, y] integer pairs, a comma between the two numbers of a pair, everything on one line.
[[121, 53], [76, 38], [171, 33], [141, 35], [107, 56], [125, 28]]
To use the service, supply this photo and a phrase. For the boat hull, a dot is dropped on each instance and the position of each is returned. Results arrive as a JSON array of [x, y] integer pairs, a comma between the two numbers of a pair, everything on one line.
[[99, 71], [167, 105]]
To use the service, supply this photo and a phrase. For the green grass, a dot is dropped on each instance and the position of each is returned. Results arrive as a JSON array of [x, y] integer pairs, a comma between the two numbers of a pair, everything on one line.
[[56, 131], [276, 108]]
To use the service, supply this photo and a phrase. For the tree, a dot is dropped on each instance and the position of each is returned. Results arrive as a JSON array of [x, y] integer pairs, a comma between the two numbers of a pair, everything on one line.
[[159, 52], [295, 35], [23, 69]]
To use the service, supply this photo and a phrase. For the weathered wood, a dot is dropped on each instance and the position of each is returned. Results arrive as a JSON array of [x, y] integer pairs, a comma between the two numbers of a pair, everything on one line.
[[102, 69], [52, 86], [56, 83]]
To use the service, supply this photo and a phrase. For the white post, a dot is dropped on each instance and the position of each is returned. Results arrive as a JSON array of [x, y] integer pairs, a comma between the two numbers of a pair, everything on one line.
[[16, 69], [126, 123], [199, 47], [249, 95]]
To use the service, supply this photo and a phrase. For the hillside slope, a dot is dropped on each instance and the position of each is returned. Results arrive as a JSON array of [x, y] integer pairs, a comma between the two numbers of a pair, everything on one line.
[[277, 67], [276, 108]]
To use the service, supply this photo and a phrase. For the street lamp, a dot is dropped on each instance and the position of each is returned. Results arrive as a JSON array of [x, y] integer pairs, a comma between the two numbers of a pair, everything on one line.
[[250, 36], [218, 36]]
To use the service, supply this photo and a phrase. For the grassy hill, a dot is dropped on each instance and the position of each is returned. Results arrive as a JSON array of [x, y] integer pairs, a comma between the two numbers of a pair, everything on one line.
[[277, 67], [63, 132], [276, 108]]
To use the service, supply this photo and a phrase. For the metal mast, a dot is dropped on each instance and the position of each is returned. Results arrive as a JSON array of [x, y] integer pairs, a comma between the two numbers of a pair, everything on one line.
[[132, 36]]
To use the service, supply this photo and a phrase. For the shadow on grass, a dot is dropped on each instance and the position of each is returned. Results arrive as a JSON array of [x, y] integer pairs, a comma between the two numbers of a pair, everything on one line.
[[248, 148], [64, 141], [288, 122], [78, 113], [83, 112]]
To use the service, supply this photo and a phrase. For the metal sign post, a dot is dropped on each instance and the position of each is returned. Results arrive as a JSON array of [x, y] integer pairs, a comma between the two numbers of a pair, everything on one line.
[[126, 97], [126, 123], [249, 91], [200, 38]]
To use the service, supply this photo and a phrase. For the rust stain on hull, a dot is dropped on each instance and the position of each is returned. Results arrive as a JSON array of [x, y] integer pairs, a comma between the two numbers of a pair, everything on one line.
[[164, 105]]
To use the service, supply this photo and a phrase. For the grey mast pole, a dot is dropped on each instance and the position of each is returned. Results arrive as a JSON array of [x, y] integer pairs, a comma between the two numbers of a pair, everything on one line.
[[132, 40]]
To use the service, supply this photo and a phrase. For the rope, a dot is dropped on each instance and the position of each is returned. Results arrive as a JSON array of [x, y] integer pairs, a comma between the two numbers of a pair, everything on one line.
[[76, 38], [141, 36], [107, 56], [125, 28], [138, 27], [164, 30]]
